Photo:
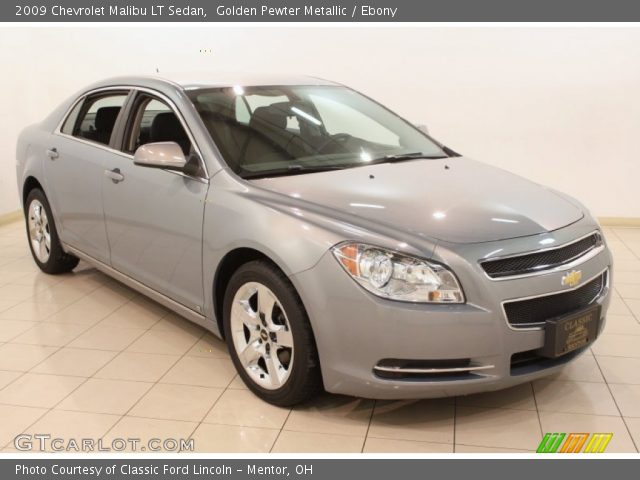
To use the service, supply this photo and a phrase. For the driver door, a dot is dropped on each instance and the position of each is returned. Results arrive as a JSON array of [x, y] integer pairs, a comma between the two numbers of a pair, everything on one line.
[[154, 216]]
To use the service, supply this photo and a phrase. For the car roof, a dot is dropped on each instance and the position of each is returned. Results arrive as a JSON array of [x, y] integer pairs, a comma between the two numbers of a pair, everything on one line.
[[212, 79], [229, 79]]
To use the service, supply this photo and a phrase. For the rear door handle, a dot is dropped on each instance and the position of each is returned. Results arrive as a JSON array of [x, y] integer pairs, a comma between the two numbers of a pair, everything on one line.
[[52, 153], [114, 175]]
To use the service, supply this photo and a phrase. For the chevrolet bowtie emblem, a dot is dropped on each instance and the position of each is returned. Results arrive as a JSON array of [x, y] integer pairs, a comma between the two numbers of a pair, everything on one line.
[[572, 278]]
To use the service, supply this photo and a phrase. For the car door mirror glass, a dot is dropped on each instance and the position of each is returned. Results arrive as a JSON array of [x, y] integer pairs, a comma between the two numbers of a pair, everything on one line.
[[160, 155]]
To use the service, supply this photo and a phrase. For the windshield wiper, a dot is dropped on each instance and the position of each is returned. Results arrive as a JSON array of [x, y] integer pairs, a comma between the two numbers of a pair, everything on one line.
[[400, 157], [295, 169]]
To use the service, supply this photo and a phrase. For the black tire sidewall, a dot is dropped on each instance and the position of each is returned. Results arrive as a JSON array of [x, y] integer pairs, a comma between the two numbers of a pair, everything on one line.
[[304, 368]]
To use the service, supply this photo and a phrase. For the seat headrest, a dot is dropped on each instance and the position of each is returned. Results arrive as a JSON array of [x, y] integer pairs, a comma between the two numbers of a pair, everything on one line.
[[270, 117], [166, 127], [106, 118]]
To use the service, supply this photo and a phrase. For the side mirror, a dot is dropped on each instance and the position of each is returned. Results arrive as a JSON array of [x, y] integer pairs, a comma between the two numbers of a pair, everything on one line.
[[160, 155], [423, 128]]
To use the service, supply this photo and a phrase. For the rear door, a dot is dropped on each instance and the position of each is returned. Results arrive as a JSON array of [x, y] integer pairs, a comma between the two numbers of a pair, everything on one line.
[[154, 216], [77, 156]]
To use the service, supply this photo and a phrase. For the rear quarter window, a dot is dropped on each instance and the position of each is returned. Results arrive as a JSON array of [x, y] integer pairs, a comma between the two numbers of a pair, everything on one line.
[[70, 122]]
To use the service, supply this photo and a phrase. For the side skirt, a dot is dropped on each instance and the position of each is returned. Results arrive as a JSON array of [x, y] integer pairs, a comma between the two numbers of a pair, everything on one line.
[[162, 299]]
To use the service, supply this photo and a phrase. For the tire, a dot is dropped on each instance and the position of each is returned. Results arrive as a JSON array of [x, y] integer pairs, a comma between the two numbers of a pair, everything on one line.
[[47, 252], [272, 371]]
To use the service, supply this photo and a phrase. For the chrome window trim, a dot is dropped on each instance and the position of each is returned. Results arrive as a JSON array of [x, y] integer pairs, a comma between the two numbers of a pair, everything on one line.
[[133, 88], [547, 269], [540, 325]]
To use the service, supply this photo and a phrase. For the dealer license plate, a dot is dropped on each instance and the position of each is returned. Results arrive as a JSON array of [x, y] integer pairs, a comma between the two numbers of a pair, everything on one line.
[[571, 332]]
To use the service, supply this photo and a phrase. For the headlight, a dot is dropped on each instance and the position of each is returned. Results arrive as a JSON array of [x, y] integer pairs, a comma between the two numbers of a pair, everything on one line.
[[398, 277]]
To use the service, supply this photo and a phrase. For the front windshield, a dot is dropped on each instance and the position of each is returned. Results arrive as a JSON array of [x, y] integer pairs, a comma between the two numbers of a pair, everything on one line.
[[284, 130]]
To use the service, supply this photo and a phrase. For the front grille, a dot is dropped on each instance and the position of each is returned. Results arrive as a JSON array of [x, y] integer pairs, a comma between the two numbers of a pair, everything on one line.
[[533, 262], [527, 313]]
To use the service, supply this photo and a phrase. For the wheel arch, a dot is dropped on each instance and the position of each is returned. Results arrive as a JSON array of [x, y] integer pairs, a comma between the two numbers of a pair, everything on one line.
[[29, 184], [229, 264]]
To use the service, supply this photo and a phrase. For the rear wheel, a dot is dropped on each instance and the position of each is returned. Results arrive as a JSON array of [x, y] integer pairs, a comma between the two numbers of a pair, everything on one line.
[[43, 237], [269, 336]]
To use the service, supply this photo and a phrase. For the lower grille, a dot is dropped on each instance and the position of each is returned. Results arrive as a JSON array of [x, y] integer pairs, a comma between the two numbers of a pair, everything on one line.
[[535, 311], [523, 363]]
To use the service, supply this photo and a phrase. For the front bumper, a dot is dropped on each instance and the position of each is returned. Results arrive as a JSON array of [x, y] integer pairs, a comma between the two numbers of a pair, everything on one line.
[[356, 331]]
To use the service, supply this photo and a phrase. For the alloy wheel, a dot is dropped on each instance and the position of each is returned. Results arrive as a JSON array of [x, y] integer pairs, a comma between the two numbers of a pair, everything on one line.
[[39, 231], [261, 335]]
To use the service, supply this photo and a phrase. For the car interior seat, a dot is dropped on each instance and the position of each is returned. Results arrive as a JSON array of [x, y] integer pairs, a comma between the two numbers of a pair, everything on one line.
[[104, 122], [167, 128]]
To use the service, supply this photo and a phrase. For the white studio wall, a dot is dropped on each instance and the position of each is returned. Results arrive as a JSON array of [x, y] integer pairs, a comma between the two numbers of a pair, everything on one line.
[[560, 106]]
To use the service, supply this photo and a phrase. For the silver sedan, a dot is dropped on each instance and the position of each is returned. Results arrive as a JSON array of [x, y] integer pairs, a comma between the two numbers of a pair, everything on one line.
[[330, 242]]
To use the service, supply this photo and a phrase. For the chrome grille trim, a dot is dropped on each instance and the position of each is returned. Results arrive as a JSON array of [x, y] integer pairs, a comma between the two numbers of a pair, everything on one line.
[[432, 370], [540, 325], [551, 268]]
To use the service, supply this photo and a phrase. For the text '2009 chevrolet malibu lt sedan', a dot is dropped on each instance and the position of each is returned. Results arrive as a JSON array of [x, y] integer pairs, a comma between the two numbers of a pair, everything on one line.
[[331, 243]]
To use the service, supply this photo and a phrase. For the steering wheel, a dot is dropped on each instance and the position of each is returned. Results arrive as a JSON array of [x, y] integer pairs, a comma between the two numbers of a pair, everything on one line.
[[338, 138]]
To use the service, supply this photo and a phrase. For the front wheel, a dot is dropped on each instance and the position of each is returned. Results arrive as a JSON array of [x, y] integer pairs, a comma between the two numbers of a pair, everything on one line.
[[269, 336], [43, 237]]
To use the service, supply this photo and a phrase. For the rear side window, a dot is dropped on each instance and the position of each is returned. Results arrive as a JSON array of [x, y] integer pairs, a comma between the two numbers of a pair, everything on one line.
[[96, 118]]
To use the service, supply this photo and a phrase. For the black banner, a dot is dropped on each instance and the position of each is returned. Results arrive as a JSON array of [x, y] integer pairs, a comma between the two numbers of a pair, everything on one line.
[[319, 469], [319, 11]]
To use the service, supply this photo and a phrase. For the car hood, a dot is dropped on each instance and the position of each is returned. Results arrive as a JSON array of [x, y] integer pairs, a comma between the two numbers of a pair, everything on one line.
[[454, 199]]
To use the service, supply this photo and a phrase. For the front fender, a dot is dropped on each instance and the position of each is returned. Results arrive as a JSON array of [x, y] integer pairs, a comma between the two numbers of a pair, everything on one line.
[[294, 237]]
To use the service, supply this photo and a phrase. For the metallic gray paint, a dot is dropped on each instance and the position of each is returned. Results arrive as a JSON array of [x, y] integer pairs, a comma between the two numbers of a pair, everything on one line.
[[159, 242], [165, 234], [467, 202]]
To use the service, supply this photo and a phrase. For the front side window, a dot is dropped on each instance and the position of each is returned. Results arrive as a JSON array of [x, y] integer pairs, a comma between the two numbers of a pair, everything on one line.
[[154, 121], [280, 130], [96, 118]]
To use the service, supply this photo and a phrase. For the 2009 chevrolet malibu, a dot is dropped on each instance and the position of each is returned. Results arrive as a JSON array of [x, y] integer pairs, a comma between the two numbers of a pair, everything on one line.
[[331, 243]]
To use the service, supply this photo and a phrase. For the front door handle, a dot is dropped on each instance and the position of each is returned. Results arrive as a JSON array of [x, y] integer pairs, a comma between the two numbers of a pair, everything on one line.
[[52, 153], [114, 175]]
